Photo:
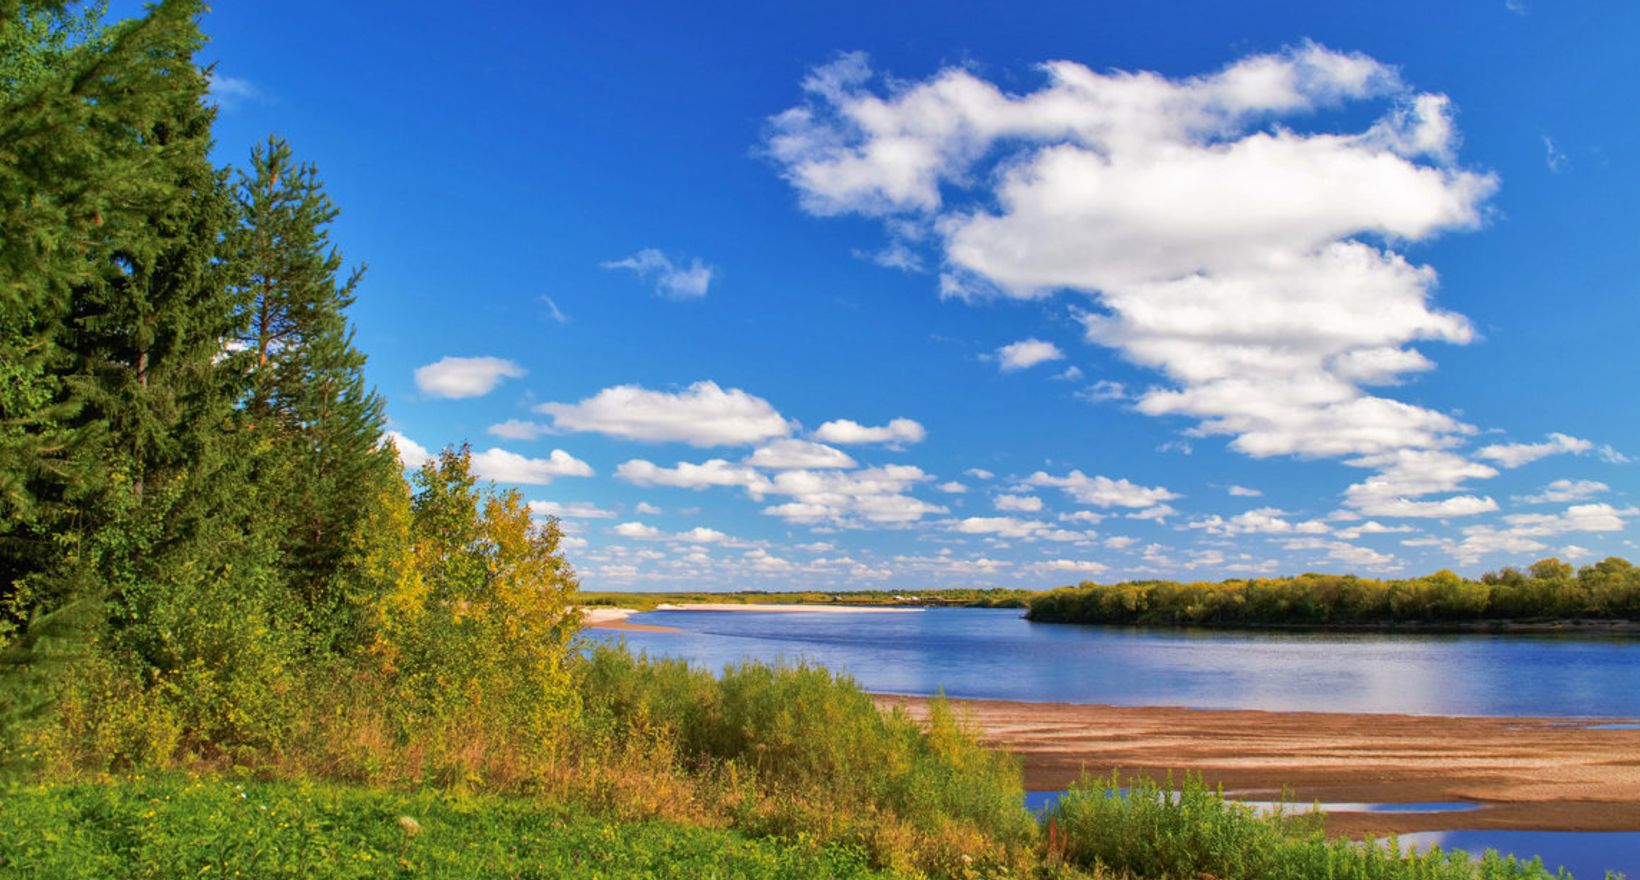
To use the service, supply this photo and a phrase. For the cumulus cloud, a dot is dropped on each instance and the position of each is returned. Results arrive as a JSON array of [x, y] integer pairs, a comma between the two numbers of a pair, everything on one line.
[[701, 415], [689, 475], [1561, 491], [1244, 492], [1027, 353], [671, 280], [638, 530], [1073, 565], [570, 510], [1251, 263], [1513, 455], [952, 487], [1013, 528], [509, 467], [519, 429], [896, 433], [1104, 390], [1262, 521], [411, 453], [1019, 503], [1405, 476], [457, 377], [1101, 491], [879, 495], [791, 453], [979, 473]]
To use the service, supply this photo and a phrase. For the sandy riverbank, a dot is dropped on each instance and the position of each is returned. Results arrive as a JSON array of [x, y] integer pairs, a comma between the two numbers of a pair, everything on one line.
[[600, 617], [1553, 774], [789, 608]]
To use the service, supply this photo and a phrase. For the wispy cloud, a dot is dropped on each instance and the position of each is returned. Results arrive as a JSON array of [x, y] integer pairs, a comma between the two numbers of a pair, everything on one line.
[[672, 280]]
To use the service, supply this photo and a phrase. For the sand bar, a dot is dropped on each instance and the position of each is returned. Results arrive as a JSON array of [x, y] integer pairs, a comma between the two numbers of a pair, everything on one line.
[[602, 617], [1551, 774], [790, 608]]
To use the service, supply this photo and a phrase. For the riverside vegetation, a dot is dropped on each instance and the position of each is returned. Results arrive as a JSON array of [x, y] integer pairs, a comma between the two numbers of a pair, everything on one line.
[[235, 640], [1547, 592]]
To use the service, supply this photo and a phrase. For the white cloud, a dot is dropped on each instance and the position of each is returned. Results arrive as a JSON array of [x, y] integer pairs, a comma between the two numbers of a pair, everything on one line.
[[1027, 353], [1104, 390], [1407, 475], [1576, 518], [1251, 263], [877, 495], [1261, 521], [701, 415], [231, 91], [519, 429], [1073, 565], [1553, 156], [952, 487], [896, 432], [411, 453], [645, 507], [1513, 455], [688, 475], [1371, 527], [510, 467], [1120, 542], [672, 280], [636, 530], [1069, 374], [1561, 491], [1009, 527], [554, 313], [457, 377], [1101, 491], [1244, 492], [791, 453], [979, 473], [1019, 503], [570, 510]]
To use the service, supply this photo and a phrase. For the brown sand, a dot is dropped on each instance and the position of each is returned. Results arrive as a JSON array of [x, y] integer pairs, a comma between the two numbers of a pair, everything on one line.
[[1552, 774]]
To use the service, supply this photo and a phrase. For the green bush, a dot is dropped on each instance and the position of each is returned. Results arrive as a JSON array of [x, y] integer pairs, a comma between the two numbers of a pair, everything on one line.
[[1153, 832]]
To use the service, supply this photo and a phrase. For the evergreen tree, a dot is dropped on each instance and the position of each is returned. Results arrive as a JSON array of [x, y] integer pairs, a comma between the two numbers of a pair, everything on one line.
[[307, 405], [112, 311]]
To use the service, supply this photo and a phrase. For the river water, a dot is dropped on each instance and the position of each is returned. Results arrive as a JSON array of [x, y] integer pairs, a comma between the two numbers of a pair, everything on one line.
[[996, 654]]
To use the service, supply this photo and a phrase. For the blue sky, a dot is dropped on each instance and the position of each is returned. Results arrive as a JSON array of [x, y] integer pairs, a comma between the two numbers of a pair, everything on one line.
[[896, 295]]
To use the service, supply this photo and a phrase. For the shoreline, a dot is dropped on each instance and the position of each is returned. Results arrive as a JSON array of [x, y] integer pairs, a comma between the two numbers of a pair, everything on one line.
[[612, 617], [1540, 774]]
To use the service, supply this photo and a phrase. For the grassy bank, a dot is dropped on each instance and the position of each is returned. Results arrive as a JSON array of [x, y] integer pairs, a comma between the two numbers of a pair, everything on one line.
[[172, 826]]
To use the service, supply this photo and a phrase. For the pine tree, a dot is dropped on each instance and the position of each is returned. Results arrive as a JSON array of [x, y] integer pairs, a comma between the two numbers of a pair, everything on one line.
[[307, 402]]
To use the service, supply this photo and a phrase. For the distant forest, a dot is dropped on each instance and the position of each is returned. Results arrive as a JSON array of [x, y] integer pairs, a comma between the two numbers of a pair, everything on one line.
[[1550, 590]]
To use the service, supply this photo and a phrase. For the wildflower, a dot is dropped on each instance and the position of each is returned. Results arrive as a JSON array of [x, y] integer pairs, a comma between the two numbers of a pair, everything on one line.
[[411, 826]]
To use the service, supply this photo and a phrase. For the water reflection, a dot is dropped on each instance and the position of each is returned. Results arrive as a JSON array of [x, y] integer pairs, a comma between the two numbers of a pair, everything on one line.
[[995, 654]]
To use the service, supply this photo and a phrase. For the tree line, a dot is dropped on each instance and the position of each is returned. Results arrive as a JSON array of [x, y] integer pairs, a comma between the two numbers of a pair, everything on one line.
[[1549, 590]]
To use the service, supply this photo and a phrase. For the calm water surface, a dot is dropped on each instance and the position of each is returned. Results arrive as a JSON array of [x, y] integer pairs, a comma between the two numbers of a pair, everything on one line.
[[996, 654]]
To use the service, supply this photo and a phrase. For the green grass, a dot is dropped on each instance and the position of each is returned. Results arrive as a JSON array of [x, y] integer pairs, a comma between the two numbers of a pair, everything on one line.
[[173, 826]]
